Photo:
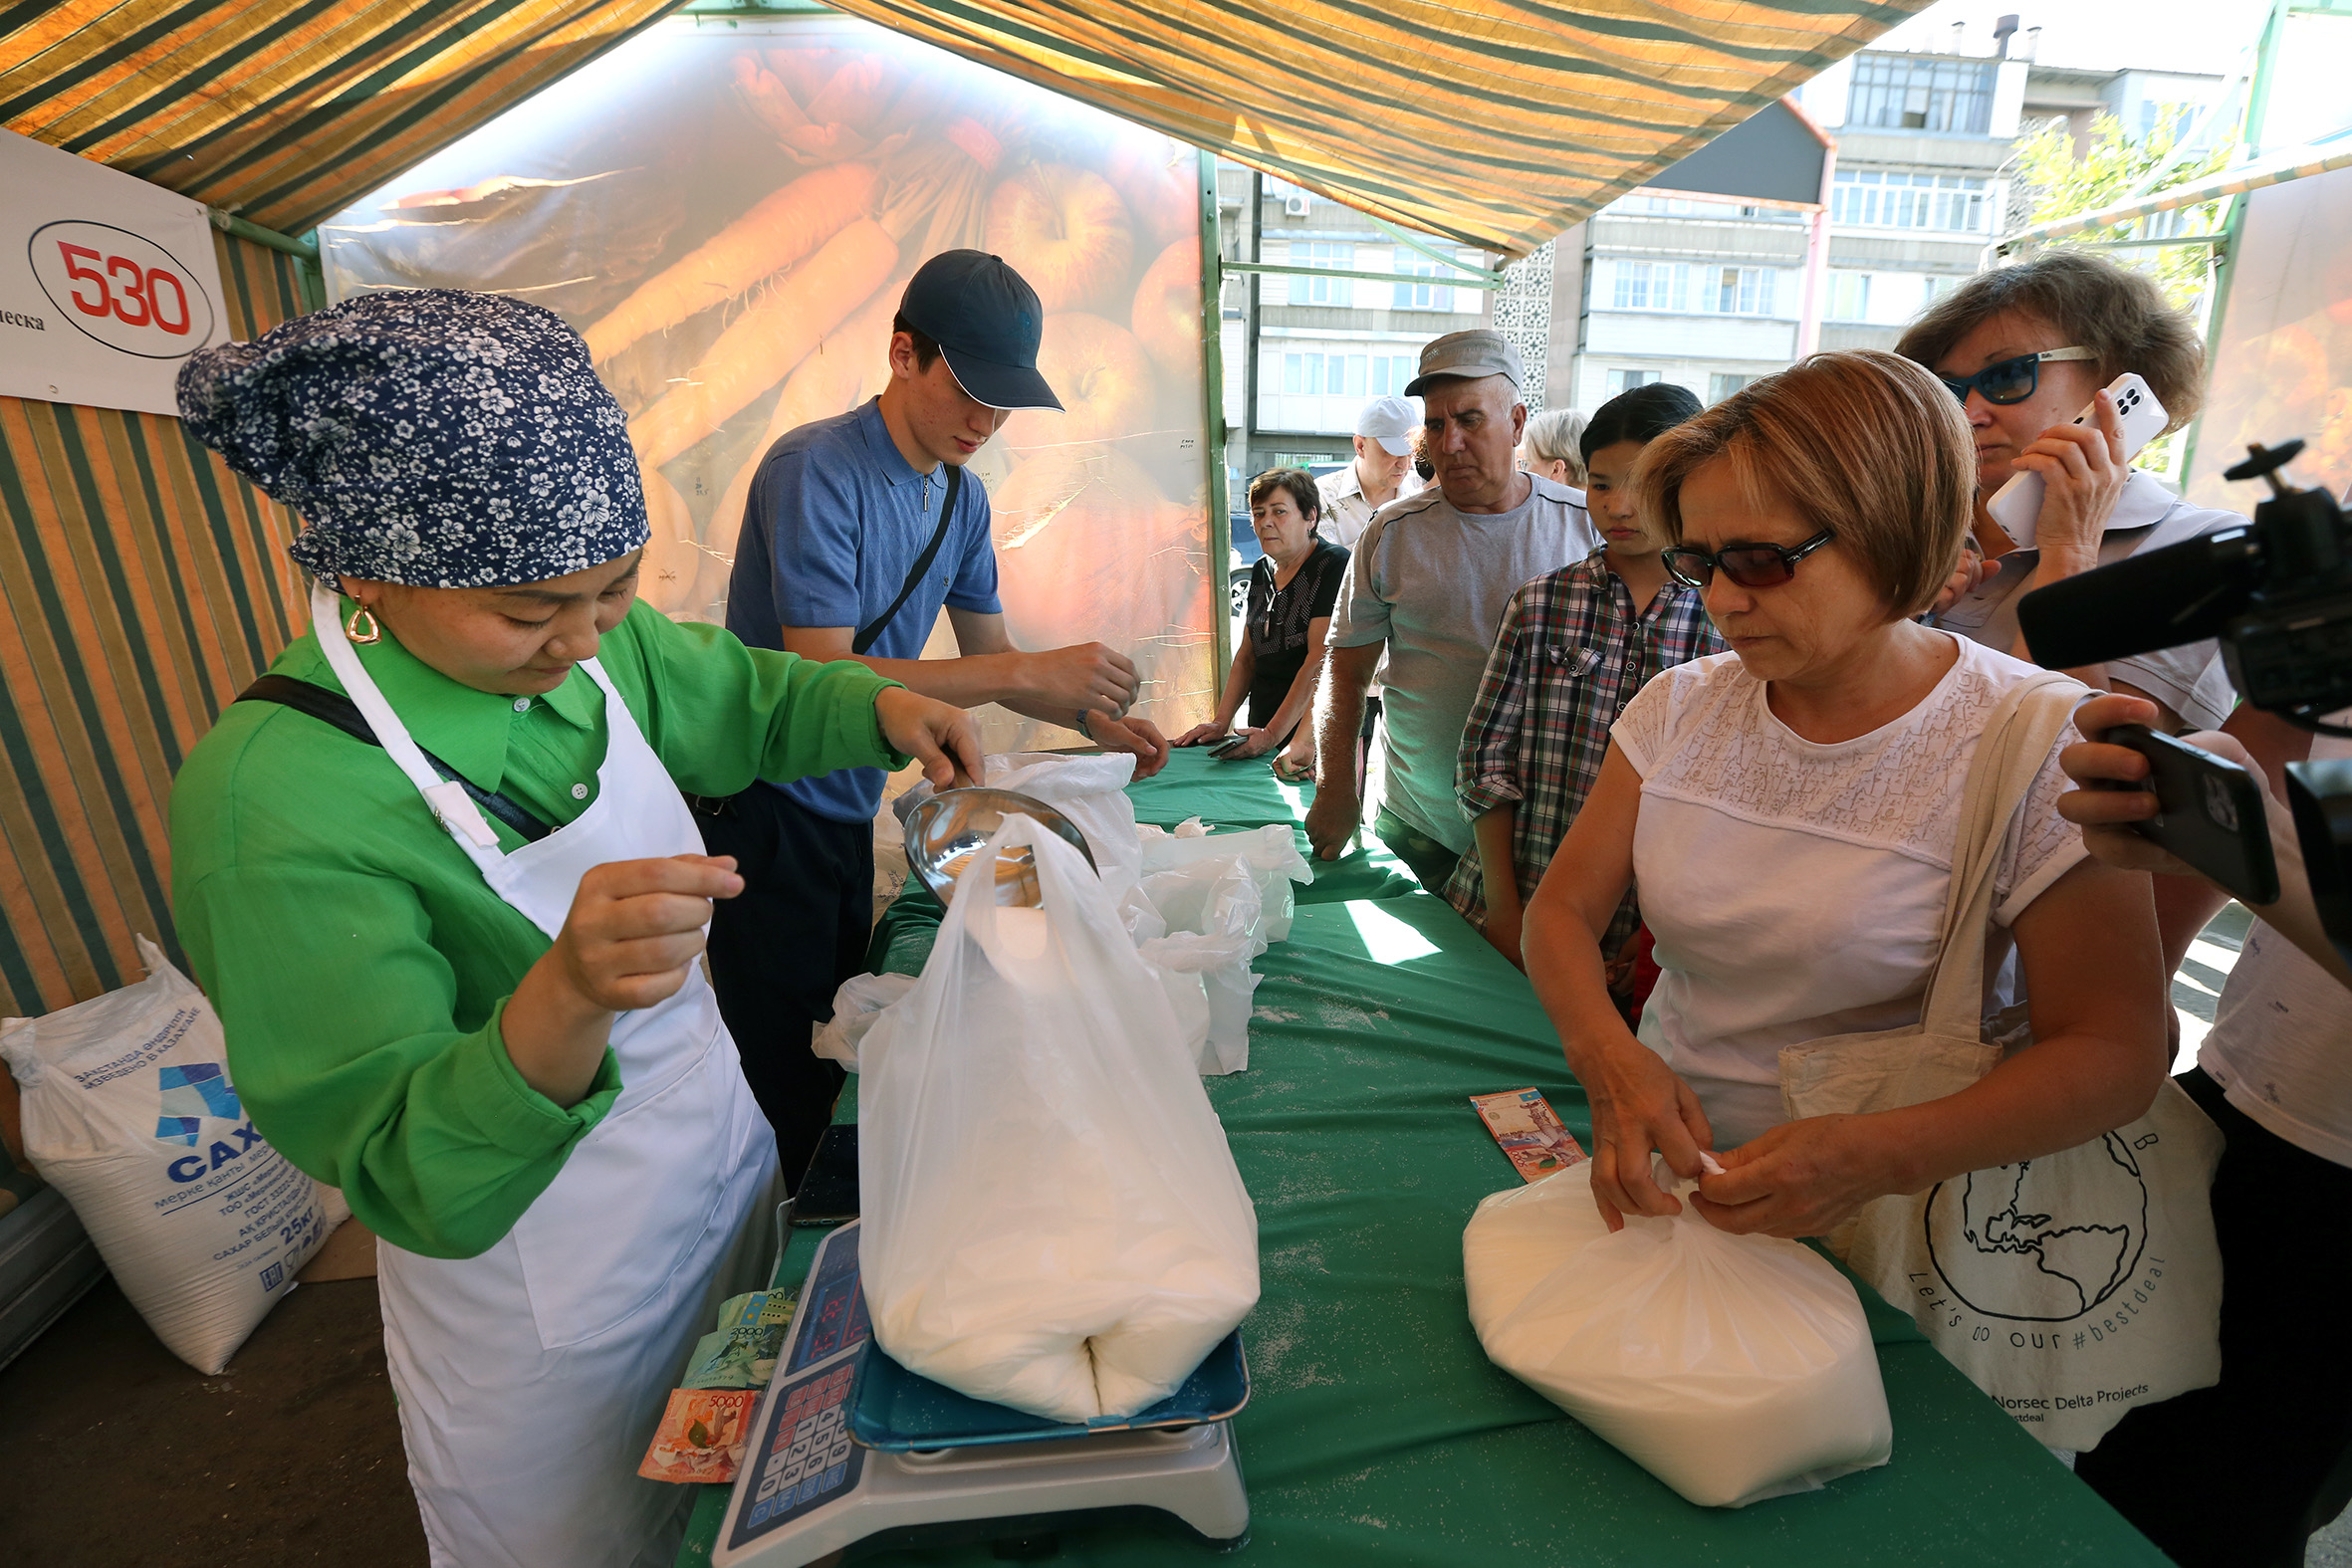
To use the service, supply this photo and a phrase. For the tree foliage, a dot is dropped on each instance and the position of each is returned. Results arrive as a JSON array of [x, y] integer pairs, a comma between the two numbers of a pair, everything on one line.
[[2061, 182]]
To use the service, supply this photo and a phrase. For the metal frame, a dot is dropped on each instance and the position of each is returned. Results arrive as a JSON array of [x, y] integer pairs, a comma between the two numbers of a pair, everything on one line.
[[1217, 436], [1483, 280], [307, 275]]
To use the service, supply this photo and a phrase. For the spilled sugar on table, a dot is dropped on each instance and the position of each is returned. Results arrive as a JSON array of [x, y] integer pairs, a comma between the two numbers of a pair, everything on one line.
[[1377, 1430]]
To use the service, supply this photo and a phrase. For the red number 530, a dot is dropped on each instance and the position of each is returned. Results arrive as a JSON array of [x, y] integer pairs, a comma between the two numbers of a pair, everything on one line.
[[142, 287]]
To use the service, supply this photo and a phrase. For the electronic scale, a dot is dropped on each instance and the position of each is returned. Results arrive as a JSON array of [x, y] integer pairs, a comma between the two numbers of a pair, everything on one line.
[[849, 1448]]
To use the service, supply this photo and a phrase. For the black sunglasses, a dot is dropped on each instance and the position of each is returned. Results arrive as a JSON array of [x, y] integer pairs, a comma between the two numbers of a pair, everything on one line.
[[1750, 565], [2011, 380]]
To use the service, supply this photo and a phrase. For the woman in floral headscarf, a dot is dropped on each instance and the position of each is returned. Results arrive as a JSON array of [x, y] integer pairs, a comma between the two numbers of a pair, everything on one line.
[[436, 874]]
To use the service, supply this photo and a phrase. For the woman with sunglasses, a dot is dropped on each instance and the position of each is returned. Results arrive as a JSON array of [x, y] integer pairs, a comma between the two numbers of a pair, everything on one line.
[[1789, 812], [2025, 350]]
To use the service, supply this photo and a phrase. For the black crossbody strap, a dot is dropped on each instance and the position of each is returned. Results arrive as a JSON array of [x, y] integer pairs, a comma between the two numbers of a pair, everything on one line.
[[336, 709], [947, 515]]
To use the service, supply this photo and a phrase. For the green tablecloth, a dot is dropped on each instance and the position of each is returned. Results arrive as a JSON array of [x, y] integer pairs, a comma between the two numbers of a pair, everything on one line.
[[1378, 1431]]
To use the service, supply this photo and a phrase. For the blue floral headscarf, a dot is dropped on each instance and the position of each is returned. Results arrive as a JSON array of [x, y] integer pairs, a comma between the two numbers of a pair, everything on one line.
[[429, 436]]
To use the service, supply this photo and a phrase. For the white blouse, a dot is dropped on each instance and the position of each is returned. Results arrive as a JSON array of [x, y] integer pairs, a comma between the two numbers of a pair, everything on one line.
[[1795, 889]]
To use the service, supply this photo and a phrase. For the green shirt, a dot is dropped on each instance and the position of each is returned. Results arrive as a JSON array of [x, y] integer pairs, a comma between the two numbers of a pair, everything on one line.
[[359, 961]]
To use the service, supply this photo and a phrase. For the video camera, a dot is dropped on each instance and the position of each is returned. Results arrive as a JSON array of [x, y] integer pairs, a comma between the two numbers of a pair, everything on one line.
[[2277, 595]]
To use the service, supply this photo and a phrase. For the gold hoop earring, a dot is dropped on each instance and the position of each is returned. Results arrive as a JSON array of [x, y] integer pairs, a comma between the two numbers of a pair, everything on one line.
[[351, 627]]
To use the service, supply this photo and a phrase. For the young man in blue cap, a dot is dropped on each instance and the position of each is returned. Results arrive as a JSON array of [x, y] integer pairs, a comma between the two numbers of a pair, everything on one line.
[[857, 530]]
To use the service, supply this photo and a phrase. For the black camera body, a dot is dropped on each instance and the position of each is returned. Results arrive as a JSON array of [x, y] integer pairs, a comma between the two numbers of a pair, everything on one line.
[[2277, 595]]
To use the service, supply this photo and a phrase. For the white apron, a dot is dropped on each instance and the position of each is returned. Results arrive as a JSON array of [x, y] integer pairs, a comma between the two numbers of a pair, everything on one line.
[[531, 1378]]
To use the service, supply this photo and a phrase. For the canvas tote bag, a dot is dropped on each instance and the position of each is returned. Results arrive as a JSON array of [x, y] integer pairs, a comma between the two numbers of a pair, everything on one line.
[[2070, 1287]]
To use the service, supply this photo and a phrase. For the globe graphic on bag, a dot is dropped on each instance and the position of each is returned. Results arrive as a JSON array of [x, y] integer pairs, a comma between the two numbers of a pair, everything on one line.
[[2043, 1240]]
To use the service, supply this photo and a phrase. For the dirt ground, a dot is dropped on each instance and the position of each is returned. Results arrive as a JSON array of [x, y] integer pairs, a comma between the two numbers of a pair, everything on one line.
[[118, 1453]]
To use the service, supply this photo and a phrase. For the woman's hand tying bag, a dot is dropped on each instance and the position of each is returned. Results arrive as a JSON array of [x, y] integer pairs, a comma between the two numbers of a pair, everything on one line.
[[1798, 1178], [1638, 1104]]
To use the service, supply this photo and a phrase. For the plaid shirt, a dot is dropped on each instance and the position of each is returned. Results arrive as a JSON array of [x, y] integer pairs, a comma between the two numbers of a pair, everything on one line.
[[1570, 654]]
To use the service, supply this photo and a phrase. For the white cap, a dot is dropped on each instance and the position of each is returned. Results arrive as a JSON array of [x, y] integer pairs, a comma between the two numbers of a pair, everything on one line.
[[1390, 421]]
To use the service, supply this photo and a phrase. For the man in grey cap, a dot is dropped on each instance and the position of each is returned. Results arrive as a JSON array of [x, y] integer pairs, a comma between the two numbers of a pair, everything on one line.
[[1426, 586], [1383, 456]]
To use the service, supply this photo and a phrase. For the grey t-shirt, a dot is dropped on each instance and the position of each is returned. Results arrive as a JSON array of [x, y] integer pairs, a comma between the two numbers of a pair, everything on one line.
[[2191, 679], [1432, 582]]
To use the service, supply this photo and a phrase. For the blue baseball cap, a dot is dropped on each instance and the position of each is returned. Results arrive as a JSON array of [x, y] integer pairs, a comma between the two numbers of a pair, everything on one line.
[[986, 322]]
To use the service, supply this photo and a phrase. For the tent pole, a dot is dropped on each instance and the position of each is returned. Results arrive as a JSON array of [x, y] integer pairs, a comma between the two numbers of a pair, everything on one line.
[[1212, 425]]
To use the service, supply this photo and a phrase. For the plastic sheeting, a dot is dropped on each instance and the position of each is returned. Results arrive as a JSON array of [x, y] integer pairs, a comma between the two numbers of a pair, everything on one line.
[[730, 216], [2283, 365]]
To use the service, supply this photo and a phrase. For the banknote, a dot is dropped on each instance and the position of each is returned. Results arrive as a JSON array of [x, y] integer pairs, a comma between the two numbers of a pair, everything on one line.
[[742, 1353], [701, 1435], [1529, 1131]]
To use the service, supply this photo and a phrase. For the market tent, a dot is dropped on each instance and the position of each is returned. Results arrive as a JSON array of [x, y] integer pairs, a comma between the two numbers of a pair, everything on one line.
[[1498, 123], [141, 584], [280, 111]]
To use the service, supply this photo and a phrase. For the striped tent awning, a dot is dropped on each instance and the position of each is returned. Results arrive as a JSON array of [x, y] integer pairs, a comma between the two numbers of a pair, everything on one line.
[[284, 111], [1497, 122]]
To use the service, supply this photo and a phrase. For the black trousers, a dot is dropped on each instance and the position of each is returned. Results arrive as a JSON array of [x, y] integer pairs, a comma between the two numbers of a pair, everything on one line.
[[779, 949], [2240, 1474]]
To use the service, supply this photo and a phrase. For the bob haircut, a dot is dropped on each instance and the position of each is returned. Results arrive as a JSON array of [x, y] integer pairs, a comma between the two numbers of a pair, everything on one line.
[[1864, 443], [1297, 482], [1556, 434], [2116, 313]]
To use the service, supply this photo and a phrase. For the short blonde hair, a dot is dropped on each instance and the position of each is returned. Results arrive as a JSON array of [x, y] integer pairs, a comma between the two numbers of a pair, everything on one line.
[[2116, 312], [1557, 433], [1864, 443]]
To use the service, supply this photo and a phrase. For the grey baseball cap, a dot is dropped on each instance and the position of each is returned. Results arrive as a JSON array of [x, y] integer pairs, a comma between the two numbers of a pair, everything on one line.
[[1479, 351], [1390, 421]]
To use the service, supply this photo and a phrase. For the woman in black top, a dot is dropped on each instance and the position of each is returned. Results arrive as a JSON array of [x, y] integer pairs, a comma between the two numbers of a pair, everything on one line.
[[1291, 594]]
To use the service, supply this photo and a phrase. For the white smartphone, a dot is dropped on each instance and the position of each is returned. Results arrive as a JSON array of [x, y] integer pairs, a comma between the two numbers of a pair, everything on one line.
[[2015, 505]]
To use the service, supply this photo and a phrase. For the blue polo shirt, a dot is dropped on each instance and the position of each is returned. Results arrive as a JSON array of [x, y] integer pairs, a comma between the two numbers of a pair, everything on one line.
[[835, 519]]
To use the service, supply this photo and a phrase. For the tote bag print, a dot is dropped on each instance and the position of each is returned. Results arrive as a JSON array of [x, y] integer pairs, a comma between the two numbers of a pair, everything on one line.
[[2074, 1286]]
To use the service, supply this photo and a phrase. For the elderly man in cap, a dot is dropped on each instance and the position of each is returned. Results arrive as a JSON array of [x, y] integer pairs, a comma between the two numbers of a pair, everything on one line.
[[1383, 457], [857, 530], [1426, 585]]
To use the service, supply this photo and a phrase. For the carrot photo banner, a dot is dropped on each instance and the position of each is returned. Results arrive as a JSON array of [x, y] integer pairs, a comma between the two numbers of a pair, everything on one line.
[[729, 217]]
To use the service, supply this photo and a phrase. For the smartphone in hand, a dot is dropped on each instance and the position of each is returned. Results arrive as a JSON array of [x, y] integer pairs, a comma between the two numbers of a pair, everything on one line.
[[2210, 812]]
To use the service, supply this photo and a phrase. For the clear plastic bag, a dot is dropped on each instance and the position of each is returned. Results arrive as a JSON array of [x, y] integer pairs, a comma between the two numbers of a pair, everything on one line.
[[1734, 1368], [1053, 1219]]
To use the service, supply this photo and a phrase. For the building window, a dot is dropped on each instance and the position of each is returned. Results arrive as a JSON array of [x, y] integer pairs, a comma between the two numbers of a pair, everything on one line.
[[1652, 286], [1426, 296], [1322, 291], [1921, 92], [1721, 385], [1627, 380], [1744, 290], [1891, 199], [1390, 373], [1849, 297]]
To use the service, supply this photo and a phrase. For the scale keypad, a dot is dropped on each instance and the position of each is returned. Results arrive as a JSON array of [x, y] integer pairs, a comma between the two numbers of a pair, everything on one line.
[[811, 1457]]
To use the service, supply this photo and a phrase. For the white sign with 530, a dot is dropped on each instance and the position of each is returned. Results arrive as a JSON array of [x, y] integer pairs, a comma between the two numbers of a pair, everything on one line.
[[106, 283]]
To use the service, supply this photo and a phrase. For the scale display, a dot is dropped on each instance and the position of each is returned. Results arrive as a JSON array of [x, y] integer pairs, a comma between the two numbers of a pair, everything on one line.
[[806, 1458]]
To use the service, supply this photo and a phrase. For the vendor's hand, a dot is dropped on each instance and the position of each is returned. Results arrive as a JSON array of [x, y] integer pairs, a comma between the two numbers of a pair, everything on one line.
[[1334, 819], [2082, 475], [1800, 1178], [1203, 734], [1638, 1105], [635, 928], [1137, 736], [1501, 931], [940, 736], [2105, 804], [1081, 678]]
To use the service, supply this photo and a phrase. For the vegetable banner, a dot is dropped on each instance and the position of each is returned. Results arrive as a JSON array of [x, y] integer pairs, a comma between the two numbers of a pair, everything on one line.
[[729, 213]]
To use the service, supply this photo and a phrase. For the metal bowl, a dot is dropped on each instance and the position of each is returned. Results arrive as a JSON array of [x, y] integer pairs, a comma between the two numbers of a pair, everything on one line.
[[948, 829]]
